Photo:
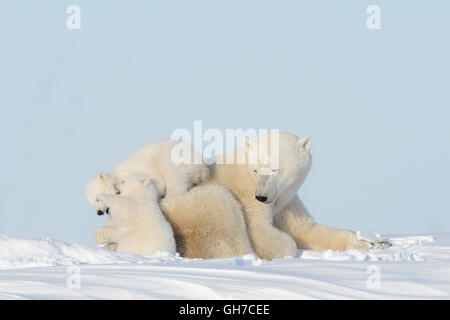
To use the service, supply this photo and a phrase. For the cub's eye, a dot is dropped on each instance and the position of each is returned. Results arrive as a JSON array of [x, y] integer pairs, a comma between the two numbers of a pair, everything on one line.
[[255, 171], [275, 170], [117, 191]]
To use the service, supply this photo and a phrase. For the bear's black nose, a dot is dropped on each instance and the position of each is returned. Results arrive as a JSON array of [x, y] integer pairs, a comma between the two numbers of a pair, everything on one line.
[[261, 198], [100, 212]]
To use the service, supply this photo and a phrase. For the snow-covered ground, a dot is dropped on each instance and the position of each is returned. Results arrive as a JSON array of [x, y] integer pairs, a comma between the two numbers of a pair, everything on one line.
[[414, 267]]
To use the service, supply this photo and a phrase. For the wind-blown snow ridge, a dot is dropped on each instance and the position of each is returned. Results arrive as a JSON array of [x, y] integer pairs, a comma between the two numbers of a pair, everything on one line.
[[27, 253], [18, 253]]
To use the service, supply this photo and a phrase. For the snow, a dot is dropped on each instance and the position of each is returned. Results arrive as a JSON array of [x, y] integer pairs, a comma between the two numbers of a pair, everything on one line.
[[415, 267]]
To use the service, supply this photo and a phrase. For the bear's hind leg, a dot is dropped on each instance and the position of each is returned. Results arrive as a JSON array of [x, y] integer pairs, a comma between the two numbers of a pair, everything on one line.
[[296, 221]]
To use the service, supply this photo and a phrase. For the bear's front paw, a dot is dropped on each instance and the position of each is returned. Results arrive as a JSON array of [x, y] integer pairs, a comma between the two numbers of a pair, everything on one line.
[[101, 237]]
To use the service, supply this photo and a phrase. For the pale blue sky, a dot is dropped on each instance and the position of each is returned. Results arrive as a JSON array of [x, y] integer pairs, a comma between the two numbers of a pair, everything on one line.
[[377, 103]]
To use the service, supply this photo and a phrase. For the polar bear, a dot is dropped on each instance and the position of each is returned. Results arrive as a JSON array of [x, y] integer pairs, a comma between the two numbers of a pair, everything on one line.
[[155, 161], [139, 225], [276, 219], [207, 223]]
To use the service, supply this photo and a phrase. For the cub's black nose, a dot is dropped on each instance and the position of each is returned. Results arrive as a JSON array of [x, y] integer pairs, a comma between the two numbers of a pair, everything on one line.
[[100, 212], [261, 198]]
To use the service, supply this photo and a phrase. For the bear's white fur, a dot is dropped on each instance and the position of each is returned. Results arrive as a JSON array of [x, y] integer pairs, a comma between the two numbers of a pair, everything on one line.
[[278, 223], [153, 160], [139, 225], [208, 223]]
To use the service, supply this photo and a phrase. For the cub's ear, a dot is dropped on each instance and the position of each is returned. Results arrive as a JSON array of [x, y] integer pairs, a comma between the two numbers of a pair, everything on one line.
[[304, 144], [145, 181], [102, 176]]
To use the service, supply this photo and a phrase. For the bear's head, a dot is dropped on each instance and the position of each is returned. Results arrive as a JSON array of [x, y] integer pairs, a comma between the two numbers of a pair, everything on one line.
[[278, 163], [138, 186], [102, 183]]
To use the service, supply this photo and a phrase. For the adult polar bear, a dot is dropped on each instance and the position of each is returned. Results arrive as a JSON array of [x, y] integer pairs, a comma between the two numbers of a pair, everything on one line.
[[277, 221]]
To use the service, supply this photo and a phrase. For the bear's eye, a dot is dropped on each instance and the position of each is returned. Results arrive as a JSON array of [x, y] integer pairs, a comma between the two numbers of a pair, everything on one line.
[[255, 171]]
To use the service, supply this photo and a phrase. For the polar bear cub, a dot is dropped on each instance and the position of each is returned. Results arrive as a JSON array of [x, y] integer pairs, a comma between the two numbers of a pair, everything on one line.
[[139, 225], [159, 161]]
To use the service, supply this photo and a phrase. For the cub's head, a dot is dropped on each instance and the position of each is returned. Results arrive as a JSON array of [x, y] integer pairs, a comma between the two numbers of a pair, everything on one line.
[[138, 185], [279, 164], [102, 183]]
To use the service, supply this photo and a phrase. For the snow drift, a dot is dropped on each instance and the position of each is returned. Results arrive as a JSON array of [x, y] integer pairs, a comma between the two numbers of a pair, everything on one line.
[[414, 267]]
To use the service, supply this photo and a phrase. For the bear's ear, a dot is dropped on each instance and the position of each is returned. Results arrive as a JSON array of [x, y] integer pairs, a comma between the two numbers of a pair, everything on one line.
[[145, 181], [102, 176], [304, 144]]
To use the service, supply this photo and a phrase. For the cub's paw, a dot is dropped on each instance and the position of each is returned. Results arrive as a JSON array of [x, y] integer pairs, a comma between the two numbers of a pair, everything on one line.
[[102, 236]]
